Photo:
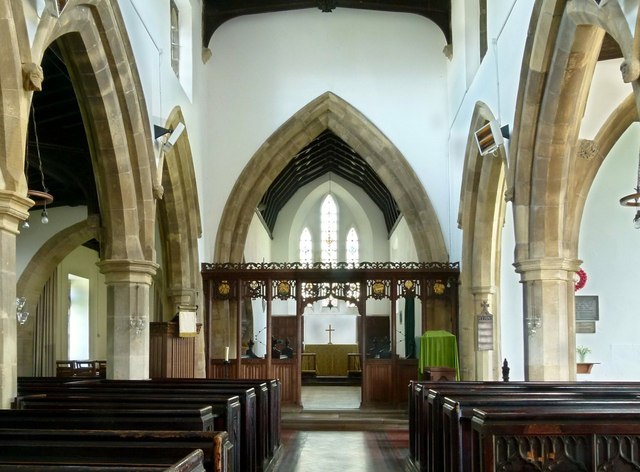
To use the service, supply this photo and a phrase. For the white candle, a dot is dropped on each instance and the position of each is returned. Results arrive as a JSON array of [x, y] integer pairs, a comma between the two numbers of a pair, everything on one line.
[[226, 354]]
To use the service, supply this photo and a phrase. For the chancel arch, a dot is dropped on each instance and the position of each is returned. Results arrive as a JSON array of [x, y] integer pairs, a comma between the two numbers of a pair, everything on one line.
[[481, 217], [329, 112]]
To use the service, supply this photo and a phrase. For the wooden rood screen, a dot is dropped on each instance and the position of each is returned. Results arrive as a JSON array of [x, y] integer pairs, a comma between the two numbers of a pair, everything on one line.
[[230, 288]]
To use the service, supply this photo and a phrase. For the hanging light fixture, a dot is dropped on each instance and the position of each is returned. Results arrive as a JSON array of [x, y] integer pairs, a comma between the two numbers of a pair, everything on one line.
[[21, 314], [40, 197]]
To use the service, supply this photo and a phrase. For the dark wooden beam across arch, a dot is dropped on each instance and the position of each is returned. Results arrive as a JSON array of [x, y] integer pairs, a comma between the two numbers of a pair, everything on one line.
[[216, 12]]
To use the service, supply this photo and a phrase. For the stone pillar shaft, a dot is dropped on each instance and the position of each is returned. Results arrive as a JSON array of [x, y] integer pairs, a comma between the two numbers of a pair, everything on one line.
[[128, 284], [13, 210], [549, 318]]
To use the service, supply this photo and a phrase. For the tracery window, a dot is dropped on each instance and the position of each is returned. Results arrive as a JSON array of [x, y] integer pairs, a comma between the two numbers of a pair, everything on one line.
[[306, 247], [353, 258], [353, 247], [329, 231], [175, 38]]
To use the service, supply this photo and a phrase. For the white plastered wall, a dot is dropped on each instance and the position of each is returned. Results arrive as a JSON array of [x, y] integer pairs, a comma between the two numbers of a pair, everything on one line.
[[609, 250], [266, 67]]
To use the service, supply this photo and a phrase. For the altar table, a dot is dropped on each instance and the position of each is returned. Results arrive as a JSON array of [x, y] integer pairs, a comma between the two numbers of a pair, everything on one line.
[[332, 359], [438, 349]]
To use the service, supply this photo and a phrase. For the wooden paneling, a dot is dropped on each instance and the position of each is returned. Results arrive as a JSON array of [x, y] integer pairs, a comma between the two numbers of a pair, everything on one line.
[[405, 371], [254, 369], [377, 379], [170, 356], [219, 370], [287, 372]]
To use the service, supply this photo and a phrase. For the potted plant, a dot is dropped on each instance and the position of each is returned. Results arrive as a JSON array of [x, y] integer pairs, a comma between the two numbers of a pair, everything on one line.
[[583, 367]]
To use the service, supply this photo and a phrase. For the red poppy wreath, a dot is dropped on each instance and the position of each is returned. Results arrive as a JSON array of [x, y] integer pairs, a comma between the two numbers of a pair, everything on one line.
[[582, 280]]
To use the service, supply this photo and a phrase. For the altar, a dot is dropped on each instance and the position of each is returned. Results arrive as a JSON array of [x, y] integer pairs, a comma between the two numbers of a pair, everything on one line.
[[332, 359]]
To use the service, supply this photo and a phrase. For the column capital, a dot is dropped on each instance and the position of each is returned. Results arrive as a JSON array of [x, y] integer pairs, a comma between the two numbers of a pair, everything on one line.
[[14, 208], [483, 290], [127, 271], [548, 268]]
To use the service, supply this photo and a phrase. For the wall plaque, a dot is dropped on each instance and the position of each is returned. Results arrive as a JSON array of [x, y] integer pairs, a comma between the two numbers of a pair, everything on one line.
[[484, 329], [587, 308], [585, 327]]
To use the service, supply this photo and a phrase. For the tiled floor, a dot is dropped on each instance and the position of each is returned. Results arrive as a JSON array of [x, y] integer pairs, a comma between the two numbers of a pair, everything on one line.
[[344, 451], [320, 397], [383, 450]]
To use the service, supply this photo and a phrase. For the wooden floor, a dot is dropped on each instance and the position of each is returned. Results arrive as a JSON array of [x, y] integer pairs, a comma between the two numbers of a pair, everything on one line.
[[331, 433]]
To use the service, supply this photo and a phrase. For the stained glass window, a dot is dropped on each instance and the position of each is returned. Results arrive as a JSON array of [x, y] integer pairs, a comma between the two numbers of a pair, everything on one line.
[[329, 231], [306, 247], [353, 247]]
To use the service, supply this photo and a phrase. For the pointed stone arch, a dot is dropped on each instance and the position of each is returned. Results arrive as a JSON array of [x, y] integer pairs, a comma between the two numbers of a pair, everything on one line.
[[558, 65], [180, 229], [179, 218], [481, 216], [97, 53], [563, 55], [94, 44], [38, 271], [329, 111], [590, 157], [50, 254]]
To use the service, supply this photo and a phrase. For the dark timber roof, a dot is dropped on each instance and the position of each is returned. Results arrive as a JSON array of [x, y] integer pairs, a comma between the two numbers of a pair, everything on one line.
[[62, 140], [216, 12], [326, 153]]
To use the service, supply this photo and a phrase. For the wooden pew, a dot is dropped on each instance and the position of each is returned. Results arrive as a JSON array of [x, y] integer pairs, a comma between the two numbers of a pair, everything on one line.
[[273, 414], [193, 462], [128, 450], [267, 405], [426, 408], [190, 463], [183, 419], [556, 438], [228, 409], [523, 393], [459, 412], [255, 413]]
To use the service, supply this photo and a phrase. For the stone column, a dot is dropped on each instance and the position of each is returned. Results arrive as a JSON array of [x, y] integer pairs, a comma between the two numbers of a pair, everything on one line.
[[486, 364], [128, 284], [13, 210], [549, 318]]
